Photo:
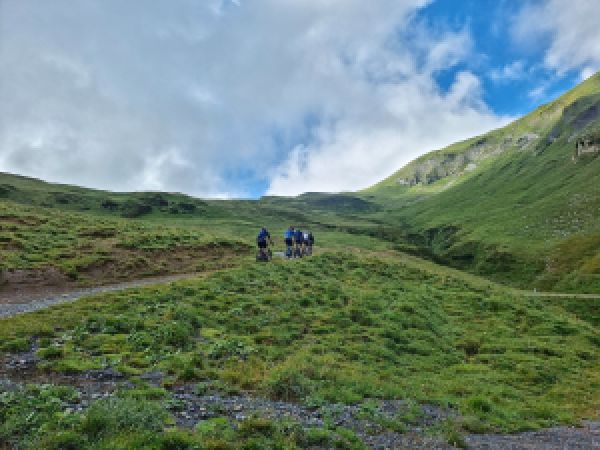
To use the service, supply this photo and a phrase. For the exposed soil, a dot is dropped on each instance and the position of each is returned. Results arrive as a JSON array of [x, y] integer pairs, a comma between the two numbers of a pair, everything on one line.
[[43, 298], [24, 286]]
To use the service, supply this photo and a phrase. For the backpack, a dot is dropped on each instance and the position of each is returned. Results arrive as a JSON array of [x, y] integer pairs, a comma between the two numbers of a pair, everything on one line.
[[299, 236], [262, 236]]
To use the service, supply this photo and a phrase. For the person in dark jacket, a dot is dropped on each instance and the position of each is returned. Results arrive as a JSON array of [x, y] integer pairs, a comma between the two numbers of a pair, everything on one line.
[[299, 238], [262, 240], [309, 241], [288, 237]]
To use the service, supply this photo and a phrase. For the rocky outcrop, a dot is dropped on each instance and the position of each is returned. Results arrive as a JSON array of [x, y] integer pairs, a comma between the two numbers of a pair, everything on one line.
[[441, 166]]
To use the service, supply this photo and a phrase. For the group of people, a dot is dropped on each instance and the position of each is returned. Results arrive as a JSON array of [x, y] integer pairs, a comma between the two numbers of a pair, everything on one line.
[[298, 243]]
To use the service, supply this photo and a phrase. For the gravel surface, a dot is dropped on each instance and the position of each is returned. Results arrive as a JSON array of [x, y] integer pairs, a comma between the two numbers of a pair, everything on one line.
[[586, 437], [368, 424], [190, 408], [37, 303]]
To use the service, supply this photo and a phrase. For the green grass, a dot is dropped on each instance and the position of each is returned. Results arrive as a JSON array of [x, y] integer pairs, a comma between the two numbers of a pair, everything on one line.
[[34, 418], [84, 246], [339, 328], [526, 216]]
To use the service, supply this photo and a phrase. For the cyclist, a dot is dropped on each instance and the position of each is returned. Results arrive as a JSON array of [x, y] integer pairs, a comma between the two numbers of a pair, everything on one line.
[[309, 241], [288, 237], [299, 238], [262, 240]]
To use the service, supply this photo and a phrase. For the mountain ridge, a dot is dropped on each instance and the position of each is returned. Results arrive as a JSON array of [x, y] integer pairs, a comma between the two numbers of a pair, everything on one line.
[[522, 133], [528, 200]]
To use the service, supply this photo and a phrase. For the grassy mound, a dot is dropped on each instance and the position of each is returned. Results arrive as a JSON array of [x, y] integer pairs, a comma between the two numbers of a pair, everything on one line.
[[84, 246]]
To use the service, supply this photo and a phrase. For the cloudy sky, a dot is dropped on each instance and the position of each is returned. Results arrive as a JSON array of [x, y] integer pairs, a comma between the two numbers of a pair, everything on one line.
[[240, 98]]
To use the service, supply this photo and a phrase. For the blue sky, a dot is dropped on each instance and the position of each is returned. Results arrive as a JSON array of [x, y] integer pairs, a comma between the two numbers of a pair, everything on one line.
[[489, 22], [240, 98]]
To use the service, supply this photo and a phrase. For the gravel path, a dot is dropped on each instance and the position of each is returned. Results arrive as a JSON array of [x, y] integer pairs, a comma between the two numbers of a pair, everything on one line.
[[37, 303], [586, 437], [368, 424]]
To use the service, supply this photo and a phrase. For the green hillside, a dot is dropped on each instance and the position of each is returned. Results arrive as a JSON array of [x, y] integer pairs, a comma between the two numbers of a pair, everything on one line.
[[365, 328], [410, 298], [515, 204], [61, 236]]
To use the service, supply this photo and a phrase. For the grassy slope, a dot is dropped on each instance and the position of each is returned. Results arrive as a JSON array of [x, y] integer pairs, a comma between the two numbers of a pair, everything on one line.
[[527, 215], [97, 236], [338, 328]]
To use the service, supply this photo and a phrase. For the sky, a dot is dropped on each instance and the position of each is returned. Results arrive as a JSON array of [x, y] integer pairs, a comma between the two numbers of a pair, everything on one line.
[[244, 98]]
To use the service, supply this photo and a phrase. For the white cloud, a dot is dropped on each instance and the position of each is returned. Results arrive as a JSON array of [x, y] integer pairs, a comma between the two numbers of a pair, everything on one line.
[[407, 120], [298, 94], [587, 72], [568, 33], [513, 71]]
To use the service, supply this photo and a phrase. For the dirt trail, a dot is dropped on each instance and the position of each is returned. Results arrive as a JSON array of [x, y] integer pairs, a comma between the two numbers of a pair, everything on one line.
[[44, 300], [560, 295]]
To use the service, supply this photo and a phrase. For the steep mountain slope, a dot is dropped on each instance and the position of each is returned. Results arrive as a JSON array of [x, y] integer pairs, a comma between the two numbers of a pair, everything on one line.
[[520, 204]]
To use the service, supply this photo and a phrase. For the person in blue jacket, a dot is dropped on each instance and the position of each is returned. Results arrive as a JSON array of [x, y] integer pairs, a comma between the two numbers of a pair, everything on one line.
[[288, 237], [262, 240]]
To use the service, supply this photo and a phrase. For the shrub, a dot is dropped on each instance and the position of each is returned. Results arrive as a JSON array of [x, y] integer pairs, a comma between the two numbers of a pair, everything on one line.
[[218, 428], [178, 440], [50, 352], [175, 333], [257, 426], [470, 347], [479, 404], [109, 204], [16, 345], [116, 414], [288, 385], [132, 209], [454, 438], [63, 440]]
